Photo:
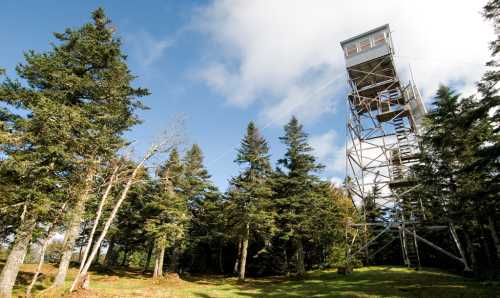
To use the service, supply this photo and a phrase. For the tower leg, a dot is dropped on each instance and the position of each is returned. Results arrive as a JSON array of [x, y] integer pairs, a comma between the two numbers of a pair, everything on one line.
[[416, 247], [459, 247]]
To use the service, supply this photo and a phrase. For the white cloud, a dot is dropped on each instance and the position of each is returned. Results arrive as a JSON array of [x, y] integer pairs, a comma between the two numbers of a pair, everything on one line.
[[336, 181], [146, 48], [328, 153], [279, 52]]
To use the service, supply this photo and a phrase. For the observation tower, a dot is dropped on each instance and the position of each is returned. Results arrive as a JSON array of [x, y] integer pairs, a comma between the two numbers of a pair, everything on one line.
[[383, 127]]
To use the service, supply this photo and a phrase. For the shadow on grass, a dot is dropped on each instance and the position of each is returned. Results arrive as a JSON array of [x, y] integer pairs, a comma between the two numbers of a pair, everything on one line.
[[379, 282], [121, 272]]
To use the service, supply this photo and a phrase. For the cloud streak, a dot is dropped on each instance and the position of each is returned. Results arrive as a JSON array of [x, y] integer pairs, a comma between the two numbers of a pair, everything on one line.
[[145, 48], [330, 154], [278, 53]]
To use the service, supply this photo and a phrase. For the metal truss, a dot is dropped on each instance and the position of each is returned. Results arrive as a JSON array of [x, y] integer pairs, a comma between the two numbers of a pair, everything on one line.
[[382, 145]]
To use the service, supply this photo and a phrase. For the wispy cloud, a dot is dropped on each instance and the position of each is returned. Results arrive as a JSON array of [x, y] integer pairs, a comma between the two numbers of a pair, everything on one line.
[[278, 53], [145, 48], [329, 152]]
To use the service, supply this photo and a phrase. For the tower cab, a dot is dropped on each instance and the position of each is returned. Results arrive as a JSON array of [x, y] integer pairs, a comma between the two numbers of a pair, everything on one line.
[[371, 70], [367, 46]]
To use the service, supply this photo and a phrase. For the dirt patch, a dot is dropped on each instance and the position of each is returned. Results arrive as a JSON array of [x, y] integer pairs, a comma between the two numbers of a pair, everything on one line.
[[173, 278], [85, 294], [110, 279]]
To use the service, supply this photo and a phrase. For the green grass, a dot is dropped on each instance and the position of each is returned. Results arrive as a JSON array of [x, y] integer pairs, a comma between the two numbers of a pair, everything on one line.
[[364, 282]]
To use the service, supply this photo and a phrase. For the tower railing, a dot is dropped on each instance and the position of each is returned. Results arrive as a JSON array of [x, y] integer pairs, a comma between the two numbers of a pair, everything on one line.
[[384, 123]]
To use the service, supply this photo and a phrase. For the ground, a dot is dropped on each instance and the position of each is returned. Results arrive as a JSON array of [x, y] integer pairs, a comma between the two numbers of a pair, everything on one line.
[[364, 282]]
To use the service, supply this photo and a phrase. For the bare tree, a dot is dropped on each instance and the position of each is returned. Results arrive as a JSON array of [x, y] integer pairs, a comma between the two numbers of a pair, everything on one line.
[[99, 213], [74, 224], [167, 143], [45, 243]]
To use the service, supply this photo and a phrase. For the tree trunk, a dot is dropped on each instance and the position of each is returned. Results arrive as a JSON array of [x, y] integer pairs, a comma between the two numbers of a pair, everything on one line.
[[365, 241], [175, 259], [154, 149], [238, 256], [494, 236], [45, 243], [496, 243], [17, 255], [109, 259], [470, 249], [124, 256], [159, 256], [81, 246], [98, 216], [96, 261], [73, 230], [148, 259], [80, 254], [221, 264], [299, 250], [69, 243], [244, 251], [486, 248], [155, 272], [287, 265]]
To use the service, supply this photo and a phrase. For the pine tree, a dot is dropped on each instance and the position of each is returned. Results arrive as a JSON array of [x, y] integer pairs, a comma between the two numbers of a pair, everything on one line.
[[205, 205], [456, 185], [250, 193], [168, 223], [297, 190], [487, 115], [197, 179], [79, 101]]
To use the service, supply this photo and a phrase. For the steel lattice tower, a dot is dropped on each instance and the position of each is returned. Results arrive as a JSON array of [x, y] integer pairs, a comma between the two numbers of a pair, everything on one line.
[[383, 128]]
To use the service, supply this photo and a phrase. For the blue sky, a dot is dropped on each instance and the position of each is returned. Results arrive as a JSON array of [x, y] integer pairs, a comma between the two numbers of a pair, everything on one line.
[[222, 64]]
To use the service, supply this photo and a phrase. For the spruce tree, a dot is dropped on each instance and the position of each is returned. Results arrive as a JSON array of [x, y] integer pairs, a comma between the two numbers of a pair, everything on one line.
[[297, 189], [169, 214], [79, 100], [250, 193], [455, 186], [205, 206], [197, 179], [487, 115]]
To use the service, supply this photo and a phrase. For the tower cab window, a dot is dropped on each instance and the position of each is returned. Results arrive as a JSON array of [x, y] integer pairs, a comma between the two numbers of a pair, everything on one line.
[[378, 38], [364, 44], [351, 50]]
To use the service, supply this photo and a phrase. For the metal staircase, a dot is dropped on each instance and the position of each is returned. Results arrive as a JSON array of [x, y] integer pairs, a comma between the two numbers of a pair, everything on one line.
[[409, 243], [385, 117]]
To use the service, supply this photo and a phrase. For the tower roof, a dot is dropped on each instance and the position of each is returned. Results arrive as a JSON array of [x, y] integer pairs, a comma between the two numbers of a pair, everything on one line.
[[367, 33]]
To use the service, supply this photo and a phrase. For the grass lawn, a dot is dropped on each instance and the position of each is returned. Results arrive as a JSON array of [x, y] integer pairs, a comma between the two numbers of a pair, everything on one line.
[[364, 282]]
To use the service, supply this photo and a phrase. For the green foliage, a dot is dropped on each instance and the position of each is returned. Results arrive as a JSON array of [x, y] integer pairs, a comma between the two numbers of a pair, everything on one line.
[[197, 182], [76, 102], [66, 115], [250, 192], [54, 251], [169, 217], [297, 186], [306, 214], [206, 229], [458, 184], [375, 281]]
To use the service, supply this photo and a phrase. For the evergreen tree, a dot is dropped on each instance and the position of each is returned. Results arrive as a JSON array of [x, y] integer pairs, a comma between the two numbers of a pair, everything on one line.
[[250, 193], [78, 101], [457, 185], [197, 179], [297, 191], [486, 119], [169, 215], [206, 233]]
